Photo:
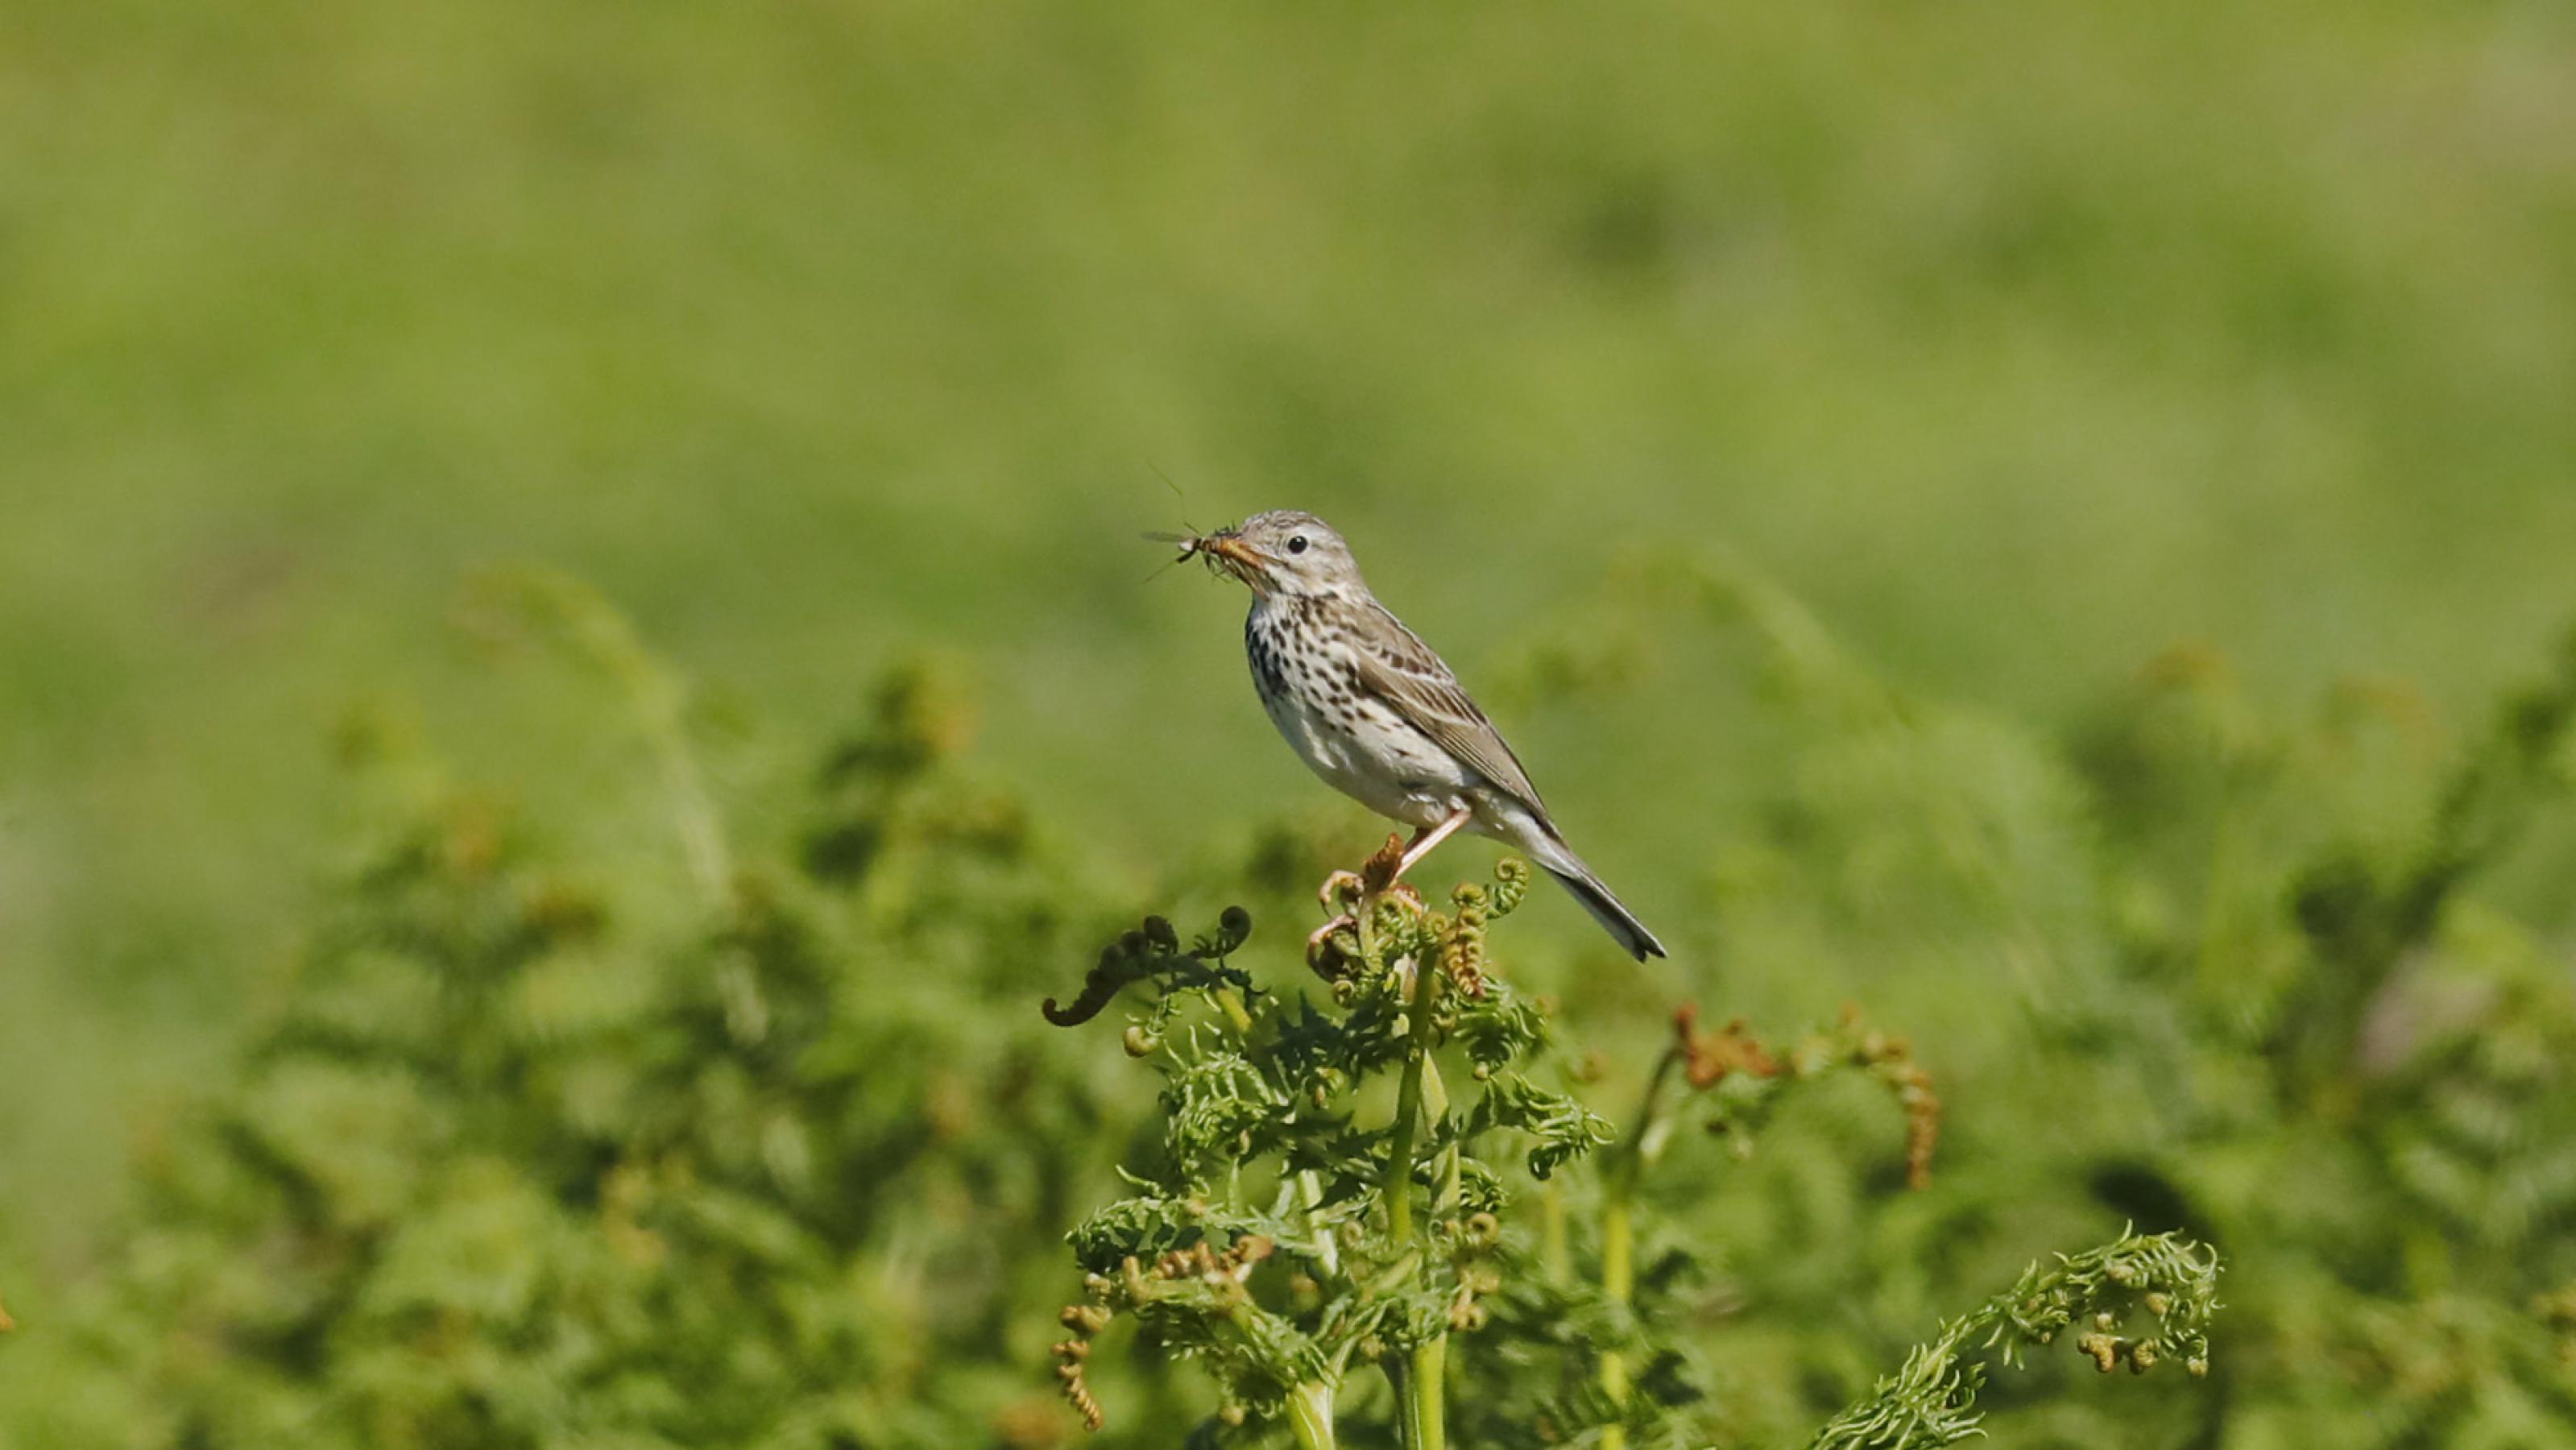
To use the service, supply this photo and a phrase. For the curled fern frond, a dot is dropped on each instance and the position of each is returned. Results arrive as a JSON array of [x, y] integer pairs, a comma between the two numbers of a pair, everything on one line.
[[1073, 1354], [2144, 1300], [1561, 1128], [1152, 952]]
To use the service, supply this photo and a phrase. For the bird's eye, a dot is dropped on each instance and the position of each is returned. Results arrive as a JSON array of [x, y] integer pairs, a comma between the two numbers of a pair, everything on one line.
[[1297, 545]]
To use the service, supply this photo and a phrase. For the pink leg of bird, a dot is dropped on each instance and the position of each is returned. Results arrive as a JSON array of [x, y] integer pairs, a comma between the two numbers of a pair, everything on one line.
[[1316, 939], [1382, 873], [1388, 866], [1430, 836]]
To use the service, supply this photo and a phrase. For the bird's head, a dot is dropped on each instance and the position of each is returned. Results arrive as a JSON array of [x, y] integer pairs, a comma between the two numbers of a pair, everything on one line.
[[1283, 552]]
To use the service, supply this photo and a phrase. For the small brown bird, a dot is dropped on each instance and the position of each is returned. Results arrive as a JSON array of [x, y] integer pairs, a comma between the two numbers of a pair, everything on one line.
[[1370, 708]]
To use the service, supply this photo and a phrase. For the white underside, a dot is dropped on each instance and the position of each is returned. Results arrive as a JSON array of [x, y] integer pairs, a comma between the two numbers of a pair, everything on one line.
[[1396, 771], [1384, 763]]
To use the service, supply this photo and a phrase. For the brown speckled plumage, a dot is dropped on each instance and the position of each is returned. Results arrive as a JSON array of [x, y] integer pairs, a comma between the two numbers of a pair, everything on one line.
[[1377, 713]]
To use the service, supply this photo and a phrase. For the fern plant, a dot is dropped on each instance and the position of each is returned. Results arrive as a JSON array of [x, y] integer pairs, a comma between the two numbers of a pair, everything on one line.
[[1278, 1236], [738, 1130], [1284, 1238]]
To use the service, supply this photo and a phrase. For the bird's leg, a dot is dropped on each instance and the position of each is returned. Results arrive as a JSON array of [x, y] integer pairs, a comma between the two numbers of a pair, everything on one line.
[[1384, 872], [1430, 836], [1320, 940], [1378, 876], [1397, 857], [1342, 893], [1351, 897], [1378, 872]]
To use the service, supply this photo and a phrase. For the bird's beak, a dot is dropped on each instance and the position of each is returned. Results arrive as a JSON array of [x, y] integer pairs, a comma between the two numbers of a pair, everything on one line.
[[1227, 546], [1239, 558]]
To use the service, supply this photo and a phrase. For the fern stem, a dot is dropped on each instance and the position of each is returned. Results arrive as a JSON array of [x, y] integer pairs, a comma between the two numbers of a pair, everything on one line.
[[1556, 1249], [1310, 1415], [1618, 1233], [1235, 1015], [1425, 1394], [1419, 1387], [1398, 1188]]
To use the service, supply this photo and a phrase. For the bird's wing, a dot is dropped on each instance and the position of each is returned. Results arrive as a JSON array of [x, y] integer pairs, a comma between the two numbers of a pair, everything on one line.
[[1395, 664]]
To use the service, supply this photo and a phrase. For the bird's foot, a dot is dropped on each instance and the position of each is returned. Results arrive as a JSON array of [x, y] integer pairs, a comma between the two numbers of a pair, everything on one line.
[[1351, 896], [1326, 955]]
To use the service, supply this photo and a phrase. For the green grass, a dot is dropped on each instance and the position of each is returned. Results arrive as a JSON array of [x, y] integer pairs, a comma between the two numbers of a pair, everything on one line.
[[2019, 340]]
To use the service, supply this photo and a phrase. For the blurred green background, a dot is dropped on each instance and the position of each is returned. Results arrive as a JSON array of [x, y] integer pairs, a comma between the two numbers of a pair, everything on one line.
[[2020, 341]]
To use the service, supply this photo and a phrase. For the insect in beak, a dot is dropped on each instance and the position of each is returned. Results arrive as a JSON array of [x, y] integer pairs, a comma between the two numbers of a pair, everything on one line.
[[1235, 556], [1222, 550]]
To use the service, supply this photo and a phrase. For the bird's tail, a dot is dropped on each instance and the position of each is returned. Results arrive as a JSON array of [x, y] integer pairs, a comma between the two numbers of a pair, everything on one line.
[[1559, 861]]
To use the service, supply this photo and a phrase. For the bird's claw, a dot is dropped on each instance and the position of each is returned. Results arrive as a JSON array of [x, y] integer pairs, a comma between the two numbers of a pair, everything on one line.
[[1325, 956], [1348, 895], [1339, 888]]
